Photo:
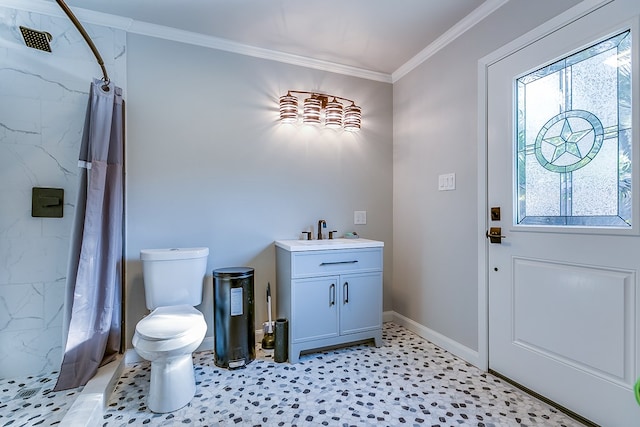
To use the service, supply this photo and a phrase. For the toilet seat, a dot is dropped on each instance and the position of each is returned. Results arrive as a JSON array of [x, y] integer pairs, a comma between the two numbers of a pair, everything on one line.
[[169, 323]]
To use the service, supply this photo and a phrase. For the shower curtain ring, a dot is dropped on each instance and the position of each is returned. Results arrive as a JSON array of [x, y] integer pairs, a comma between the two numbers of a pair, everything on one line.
[[105, 86]]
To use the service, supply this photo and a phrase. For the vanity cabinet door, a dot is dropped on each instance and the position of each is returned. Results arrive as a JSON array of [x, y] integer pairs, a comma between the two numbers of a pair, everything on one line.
[[314, 304], [360, 302]]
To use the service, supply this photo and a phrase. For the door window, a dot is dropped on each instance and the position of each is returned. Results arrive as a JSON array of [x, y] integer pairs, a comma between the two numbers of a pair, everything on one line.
[[573, 139]]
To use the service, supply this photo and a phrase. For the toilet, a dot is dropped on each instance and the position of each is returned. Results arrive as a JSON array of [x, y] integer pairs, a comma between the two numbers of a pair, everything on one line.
[[167, 337]]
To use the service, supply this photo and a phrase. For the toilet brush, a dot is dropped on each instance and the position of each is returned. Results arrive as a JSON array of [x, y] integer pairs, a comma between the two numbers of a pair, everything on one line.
[[268, 341]]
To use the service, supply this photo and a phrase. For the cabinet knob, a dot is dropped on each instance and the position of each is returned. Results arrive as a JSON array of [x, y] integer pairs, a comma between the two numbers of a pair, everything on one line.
[[332, 295]]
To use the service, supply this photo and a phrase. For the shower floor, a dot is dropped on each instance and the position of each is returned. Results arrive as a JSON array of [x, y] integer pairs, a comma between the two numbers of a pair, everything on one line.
[[29, 401]]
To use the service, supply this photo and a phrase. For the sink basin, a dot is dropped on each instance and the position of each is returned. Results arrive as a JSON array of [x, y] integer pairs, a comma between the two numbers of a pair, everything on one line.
[[325, 241], [319, 245]]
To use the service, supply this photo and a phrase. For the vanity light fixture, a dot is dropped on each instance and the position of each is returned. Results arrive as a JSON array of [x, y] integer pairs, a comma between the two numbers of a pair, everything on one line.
[[352, 118], [312, 109], [336, 115], [333, 114], [288, 108]]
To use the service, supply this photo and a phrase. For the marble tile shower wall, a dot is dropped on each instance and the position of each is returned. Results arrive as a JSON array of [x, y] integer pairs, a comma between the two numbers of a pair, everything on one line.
[[43, 98]]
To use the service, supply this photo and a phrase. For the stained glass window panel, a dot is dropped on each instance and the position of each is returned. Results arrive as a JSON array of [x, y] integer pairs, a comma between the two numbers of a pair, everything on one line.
[[573, 164]]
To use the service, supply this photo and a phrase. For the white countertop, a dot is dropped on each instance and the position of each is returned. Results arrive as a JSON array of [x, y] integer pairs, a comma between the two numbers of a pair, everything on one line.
[[327, 244]]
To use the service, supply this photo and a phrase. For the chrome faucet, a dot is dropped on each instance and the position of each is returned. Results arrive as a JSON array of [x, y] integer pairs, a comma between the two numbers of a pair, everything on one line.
[[322, 223]]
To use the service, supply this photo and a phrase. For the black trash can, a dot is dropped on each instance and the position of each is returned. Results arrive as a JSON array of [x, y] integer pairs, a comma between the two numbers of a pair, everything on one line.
[[233, 317]]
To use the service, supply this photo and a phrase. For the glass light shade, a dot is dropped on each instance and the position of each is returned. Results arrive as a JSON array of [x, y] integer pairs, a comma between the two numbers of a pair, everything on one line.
[[352, 118], [311, 113], [288, 108], [333, 115]]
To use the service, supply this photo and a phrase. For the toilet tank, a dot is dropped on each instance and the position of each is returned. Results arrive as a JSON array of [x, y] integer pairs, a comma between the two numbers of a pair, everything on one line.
[[173, 276]]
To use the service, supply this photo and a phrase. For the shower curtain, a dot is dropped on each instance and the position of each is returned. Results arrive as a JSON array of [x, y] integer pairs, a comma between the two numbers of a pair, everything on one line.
[[93, 293]]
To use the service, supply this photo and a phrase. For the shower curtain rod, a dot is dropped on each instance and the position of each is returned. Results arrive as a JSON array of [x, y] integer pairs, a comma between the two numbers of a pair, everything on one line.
[[86, 37]]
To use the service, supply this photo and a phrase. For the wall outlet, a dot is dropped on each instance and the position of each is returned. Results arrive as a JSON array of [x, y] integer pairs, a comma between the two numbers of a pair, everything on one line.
[[359, 217]]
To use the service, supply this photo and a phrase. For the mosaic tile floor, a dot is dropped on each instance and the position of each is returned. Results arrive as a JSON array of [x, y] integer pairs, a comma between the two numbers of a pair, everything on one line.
[[408, 381], [29, 401]]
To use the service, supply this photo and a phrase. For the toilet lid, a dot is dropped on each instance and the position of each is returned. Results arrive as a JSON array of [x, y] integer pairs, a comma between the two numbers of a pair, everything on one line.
[[169, 322]]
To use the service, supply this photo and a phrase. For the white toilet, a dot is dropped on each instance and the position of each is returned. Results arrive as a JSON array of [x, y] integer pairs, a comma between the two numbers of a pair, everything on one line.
[[167, 337]]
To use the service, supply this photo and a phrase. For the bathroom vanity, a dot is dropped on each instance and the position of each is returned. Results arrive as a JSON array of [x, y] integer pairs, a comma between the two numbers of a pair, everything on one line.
[[331, 292]]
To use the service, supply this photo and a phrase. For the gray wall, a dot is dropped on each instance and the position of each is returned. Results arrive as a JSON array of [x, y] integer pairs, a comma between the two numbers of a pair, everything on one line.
[[435, 257], [208, 163]]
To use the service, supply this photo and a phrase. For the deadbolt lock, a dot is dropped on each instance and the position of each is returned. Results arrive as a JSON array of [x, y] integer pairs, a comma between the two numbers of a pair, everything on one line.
[[495, 214]]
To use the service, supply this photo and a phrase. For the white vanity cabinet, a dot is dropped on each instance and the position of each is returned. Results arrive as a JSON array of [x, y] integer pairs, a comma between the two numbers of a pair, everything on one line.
[[331, 292]]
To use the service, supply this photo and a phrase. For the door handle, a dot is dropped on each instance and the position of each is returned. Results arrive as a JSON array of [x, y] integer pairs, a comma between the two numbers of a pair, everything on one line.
[[332, 295], [495, 235], [345, 291], [338, 262]]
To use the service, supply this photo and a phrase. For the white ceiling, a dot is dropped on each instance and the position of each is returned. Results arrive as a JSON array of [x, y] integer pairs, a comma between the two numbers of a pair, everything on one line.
[[373, 35]]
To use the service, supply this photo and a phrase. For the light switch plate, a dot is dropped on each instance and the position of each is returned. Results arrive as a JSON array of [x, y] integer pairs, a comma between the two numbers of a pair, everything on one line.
[[447, 182], [359, 217]]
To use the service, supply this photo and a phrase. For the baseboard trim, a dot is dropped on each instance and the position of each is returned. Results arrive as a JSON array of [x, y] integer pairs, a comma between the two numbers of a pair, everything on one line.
[[454, 347], [130, 356], [207, 344]]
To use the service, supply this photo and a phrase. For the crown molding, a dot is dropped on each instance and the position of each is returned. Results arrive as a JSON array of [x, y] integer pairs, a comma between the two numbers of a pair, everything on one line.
[[163, 32], [468, 22], [173, 34], [159, 31]]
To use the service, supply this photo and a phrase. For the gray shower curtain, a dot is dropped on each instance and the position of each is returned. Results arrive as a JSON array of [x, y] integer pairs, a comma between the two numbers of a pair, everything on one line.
[[93, 279]]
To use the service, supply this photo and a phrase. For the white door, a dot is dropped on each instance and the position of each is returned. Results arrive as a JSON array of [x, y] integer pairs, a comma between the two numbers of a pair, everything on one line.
[[564, 299]]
